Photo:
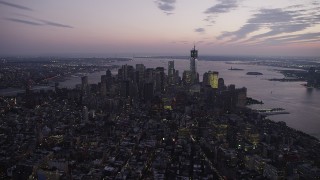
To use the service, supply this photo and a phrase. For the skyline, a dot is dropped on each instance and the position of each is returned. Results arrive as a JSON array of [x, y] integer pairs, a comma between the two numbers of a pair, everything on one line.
[[161, 27]]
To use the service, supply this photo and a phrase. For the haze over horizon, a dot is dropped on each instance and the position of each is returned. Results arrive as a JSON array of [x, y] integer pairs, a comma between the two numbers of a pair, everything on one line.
[[160, 27]]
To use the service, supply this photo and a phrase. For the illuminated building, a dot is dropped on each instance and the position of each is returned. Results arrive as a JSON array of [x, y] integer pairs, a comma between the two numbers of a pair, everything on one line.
[[214, 80], [211, 78]]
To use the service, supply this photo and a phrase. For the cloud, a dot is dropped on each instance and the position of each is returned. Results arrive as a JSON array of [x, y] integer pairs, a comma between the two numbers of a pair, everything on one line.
[[275, 30], [199, 42], [37, 22], [166, 5], [56, 24], [309, 37], [241, 33], [209, 19], [277, 21], [180, 42], [16, 6], [223, 6], [24, 21], [199, 30]]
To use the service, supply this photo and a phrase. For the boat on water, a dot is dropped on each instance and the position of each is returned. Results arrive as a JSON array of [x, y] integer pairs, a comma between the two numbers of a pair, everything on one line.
[[271, 111], [254, 73], [235, 69]]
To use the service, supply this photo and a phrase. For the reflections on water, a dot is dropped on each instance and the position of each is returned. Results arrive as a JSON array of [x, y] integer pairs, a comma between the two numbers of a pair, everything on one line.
[[302, 103]]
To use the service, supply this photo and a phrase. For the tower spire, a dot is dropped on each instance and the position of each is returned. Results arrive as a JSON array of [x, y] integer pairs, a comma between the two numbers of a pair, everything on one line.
[[193, 65]]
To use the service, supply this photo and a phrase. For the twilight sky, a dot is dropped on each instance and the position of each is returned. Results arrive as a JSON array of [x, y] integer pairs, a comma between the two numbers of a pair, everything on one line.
[[160, 27]]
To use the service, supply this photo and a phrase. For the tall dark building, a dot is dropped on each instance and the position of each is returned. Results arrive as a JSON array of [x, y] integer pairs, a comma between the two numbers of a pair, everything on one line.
[[108, 73], [125, 88], [221, 84], [140, 68], [160, 79], [187, 77], [148, 91], [149, 75], [103, 88], [193, 65], [126, 72], [140, 78], [171, 73], [85, 88]]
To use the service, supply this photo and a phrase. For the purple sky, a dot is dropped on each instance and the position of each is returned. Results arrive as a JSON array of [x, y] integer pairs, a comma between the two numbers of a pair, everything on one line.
[[160, 27]]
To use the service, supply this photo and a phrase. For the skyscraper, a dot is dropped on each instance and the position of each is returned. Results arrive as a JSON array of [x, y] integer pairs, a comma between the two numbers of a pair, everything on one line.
[[214, 76], [140, 68], [148, 91], [103, 88], [140, 78], [193, 66], [126, 72], [171, 73], [160, 79], [84, 85], [85, 114], [211, 78], [221, 83], [125, 88], [187, 77]]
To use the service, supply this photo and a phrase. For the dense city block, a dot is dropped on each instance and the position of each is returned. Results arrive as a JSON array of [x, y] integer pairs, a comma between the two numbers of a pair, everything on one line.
[[148, 123]]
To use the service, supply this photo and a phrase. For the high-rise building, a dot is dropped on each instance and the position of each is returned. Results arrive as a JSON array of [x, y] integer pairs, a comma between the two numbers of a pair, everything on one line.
[[103, 88], [140, 78], [214, 76], [85, 114], [125, 88], [108, 73], [211, 79], [187, 77], [149, 75], [221, 83], [84, 85], [160, 79], [148, 91], [242, 97], [205, 79], [126, 72], [109, 80], [171, 73], [177, 78], [193, 65], [140, 68]]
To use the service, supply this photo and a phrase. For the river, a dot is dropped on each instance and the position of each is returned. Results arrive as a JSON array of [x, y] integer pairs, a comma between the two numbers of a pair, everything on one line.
[[302, 103]]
